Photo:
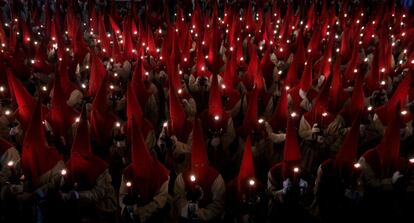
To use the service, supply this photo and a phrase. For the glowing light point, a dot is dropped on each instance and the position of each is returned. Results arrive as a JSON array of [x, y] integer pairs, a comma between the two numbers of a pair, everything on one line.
[[252, 182]]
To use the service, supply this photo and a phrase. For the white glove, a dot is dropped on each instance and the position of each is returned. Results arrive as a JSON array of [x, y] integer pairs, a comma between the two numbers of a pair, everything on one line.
[[303, 183], [281, 137], [302, 94], [315, 128], [120, 144], [185, 102], [286, 185], [349, 89], [160, 141], [320, 139], [320, 80], [396, 176], [215, 141], [14, 131]]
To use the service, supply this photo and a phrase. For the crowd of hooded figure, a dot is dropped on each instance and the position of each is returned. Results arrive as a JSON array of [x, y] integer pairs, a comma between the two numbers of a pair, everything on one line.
[[206, 111]]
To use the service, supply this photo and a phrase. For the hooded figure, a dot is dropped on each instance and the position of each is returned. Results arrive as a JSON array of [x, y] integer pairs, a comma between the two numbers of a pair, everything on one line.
[[144, 187], [41, 166], [336, 185], [285, 181], [245, 190], [382, 172], [176, 135], [200, 189], [218, 126], [318, 128], [87, 177]]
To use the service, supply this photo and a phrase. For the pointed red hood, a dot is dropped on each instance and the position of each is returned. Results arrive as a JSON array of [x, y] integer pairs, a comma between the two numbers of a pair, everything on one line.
[[25, 102], [214, 100], [389, 148], [199, 158], [306, 79], [101, 118], [357, 104], [37, 156], [61, 115], [347, 154], [247, 170], [399, 97], [83, 165], [336, 91], [146, 174], [279, 118], [291, 150], [250, 117], [97, 73], [177, 114], [137, 82]]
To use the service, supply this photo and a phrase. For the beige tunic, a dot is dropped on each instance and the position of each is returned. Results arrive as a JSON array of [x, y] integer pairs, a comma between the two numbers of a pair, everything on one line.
[[102, 196], [148, 210], [212, 210]]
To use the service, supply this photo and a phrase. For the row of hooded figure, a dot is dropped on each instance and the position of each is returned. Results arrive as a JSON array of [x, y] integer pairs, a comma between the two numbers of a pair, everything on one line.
[[259, 146], [196, 180]]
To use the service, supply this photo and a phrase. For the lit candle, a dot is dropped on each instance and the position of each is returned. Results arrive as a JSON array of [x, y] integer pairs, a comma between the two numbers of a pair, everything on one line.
[[252, 182], [404, 112], [7, 112], [357, 165], [165, 124], [63, 172], [293, 114], [296, 169], [192, 178], [260, 121], [117, 124], [10, 163], [216, 117]]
